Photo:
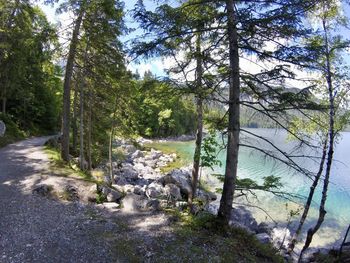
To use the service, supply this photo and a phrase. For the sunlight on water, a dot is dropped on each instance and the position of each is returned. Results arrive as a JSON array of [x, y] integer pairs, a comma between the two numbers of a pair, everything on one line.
[[253, 164]]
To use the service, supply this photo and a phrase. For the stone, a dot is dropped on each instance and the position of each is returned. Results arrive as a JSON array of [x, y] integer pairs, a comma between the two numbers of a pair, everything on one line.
[[120, 180], [129, 149], [132, 202], [264, 228], [153, 205], [172, 192], [139, 190], [111, 206], [263, 238], [114, 195], [154, 190], [43, 189], [179, 177], [242, 217], [155, 154], [71, 193], [2, 128], [128, 172], [280, 236], [137, 154]]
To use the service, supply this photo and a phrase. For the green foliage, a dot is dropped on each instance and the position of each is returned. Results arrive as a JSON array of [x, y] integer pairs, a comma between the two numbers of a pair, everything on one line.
[[13, 132], [30, 81], [158, 111], [210, 146]]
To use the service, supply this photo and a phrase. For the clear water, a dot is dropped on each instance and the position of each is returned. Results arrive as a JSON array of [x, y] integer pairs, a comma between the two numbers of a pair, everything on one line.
[[254, 164]]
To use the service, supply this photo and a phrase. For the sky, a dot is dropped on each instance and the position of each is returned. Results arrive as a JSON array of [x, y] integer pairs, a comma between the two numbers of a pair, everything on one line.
[[157, 65]]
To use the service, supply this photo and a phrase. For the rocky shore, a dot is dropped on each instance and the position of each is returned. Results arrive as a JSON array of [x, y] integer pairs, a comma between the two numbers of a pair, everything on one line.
[[138, 184]]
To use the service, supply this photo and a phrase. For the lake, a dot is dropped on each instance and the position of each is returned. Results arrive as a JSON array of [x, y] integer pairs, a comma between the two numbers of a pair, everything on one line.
[[255, 165]]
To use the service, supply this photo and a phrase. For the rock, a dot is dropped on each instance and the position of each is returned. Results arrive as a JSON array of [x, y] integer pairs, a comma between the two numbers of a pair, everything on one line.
[[280, 236], [120, 180], [43, 189], [205, 196], [2, 128], [179, 177], [153, 205], [139, 190], [114, 195], [172, 192], [71, 193], [264, 228], [129, 149], [128, 172], [212, 209], [155, 154], [154, 190], [137, 154], [128, 188], [111, 206], [242, 217], [132, 202], [263, 238], [92, 193]]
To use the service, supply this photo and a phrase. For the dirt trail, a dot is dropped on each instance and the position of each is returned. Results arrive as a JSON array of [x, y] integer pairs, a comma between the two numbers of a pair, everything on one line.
[[38, 229]]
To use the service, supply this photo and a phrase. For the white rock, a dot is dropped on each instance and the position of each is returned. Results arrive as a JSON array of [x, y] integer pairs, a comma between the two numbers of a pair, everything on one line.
[[154, 190]]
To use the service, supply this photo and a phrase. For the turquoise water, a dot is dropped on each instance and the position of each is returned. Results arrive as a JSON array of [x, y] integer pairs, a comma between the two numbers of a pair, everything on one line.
[[255, 165]]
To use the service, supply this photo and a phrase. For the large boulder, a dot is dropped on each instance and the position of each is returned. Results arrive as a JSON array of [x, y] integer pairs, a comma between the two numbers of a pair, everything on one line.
[[242, 217], [132, 202], [154, 190], [128, 172], [137, 154], [2, 128], [180, 178], [114, 195], [172, 192]]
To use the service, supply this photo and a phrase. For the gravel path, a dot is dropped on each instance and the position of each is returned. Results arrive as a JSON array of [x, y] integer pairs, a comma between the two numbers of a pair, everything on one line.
[[37, 229]]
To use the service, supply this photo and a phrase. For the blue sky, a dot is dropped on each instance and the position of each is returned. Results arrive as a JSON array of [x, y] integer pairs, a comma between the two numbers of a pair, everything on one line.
[[156, 65]]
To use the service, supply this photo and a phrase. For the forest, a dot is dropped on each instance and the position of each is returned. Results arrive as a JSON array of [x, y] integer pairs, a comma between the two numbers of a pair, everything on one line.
[[235, 75]]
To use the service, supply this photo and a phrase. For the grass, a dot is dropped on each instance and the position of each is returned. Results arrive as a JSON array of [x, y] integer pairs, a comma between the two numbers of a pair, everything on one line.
[[59, 167], [203, 238], [169, 148]]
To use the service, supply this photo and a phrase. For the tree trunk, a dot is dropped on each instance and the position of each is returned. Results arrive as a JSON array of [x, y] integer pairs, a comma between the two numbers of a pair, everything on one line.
[[4, 100], [74, 124], [309, 199], [66, 86], [89, 133], [110, 152], [199, 134], [233, 126], [81, 155], [331, 135]]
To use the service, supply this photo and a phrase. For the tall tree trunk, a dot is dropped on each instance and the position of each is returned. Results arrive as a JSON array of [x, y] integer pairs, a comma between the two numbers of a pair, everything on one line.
[[89, 133], [110, 152], [4, 100], [81, 155], [331, 135], [309, 198], [74, 124], [66, 86], [199, 134], [233, 126]]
